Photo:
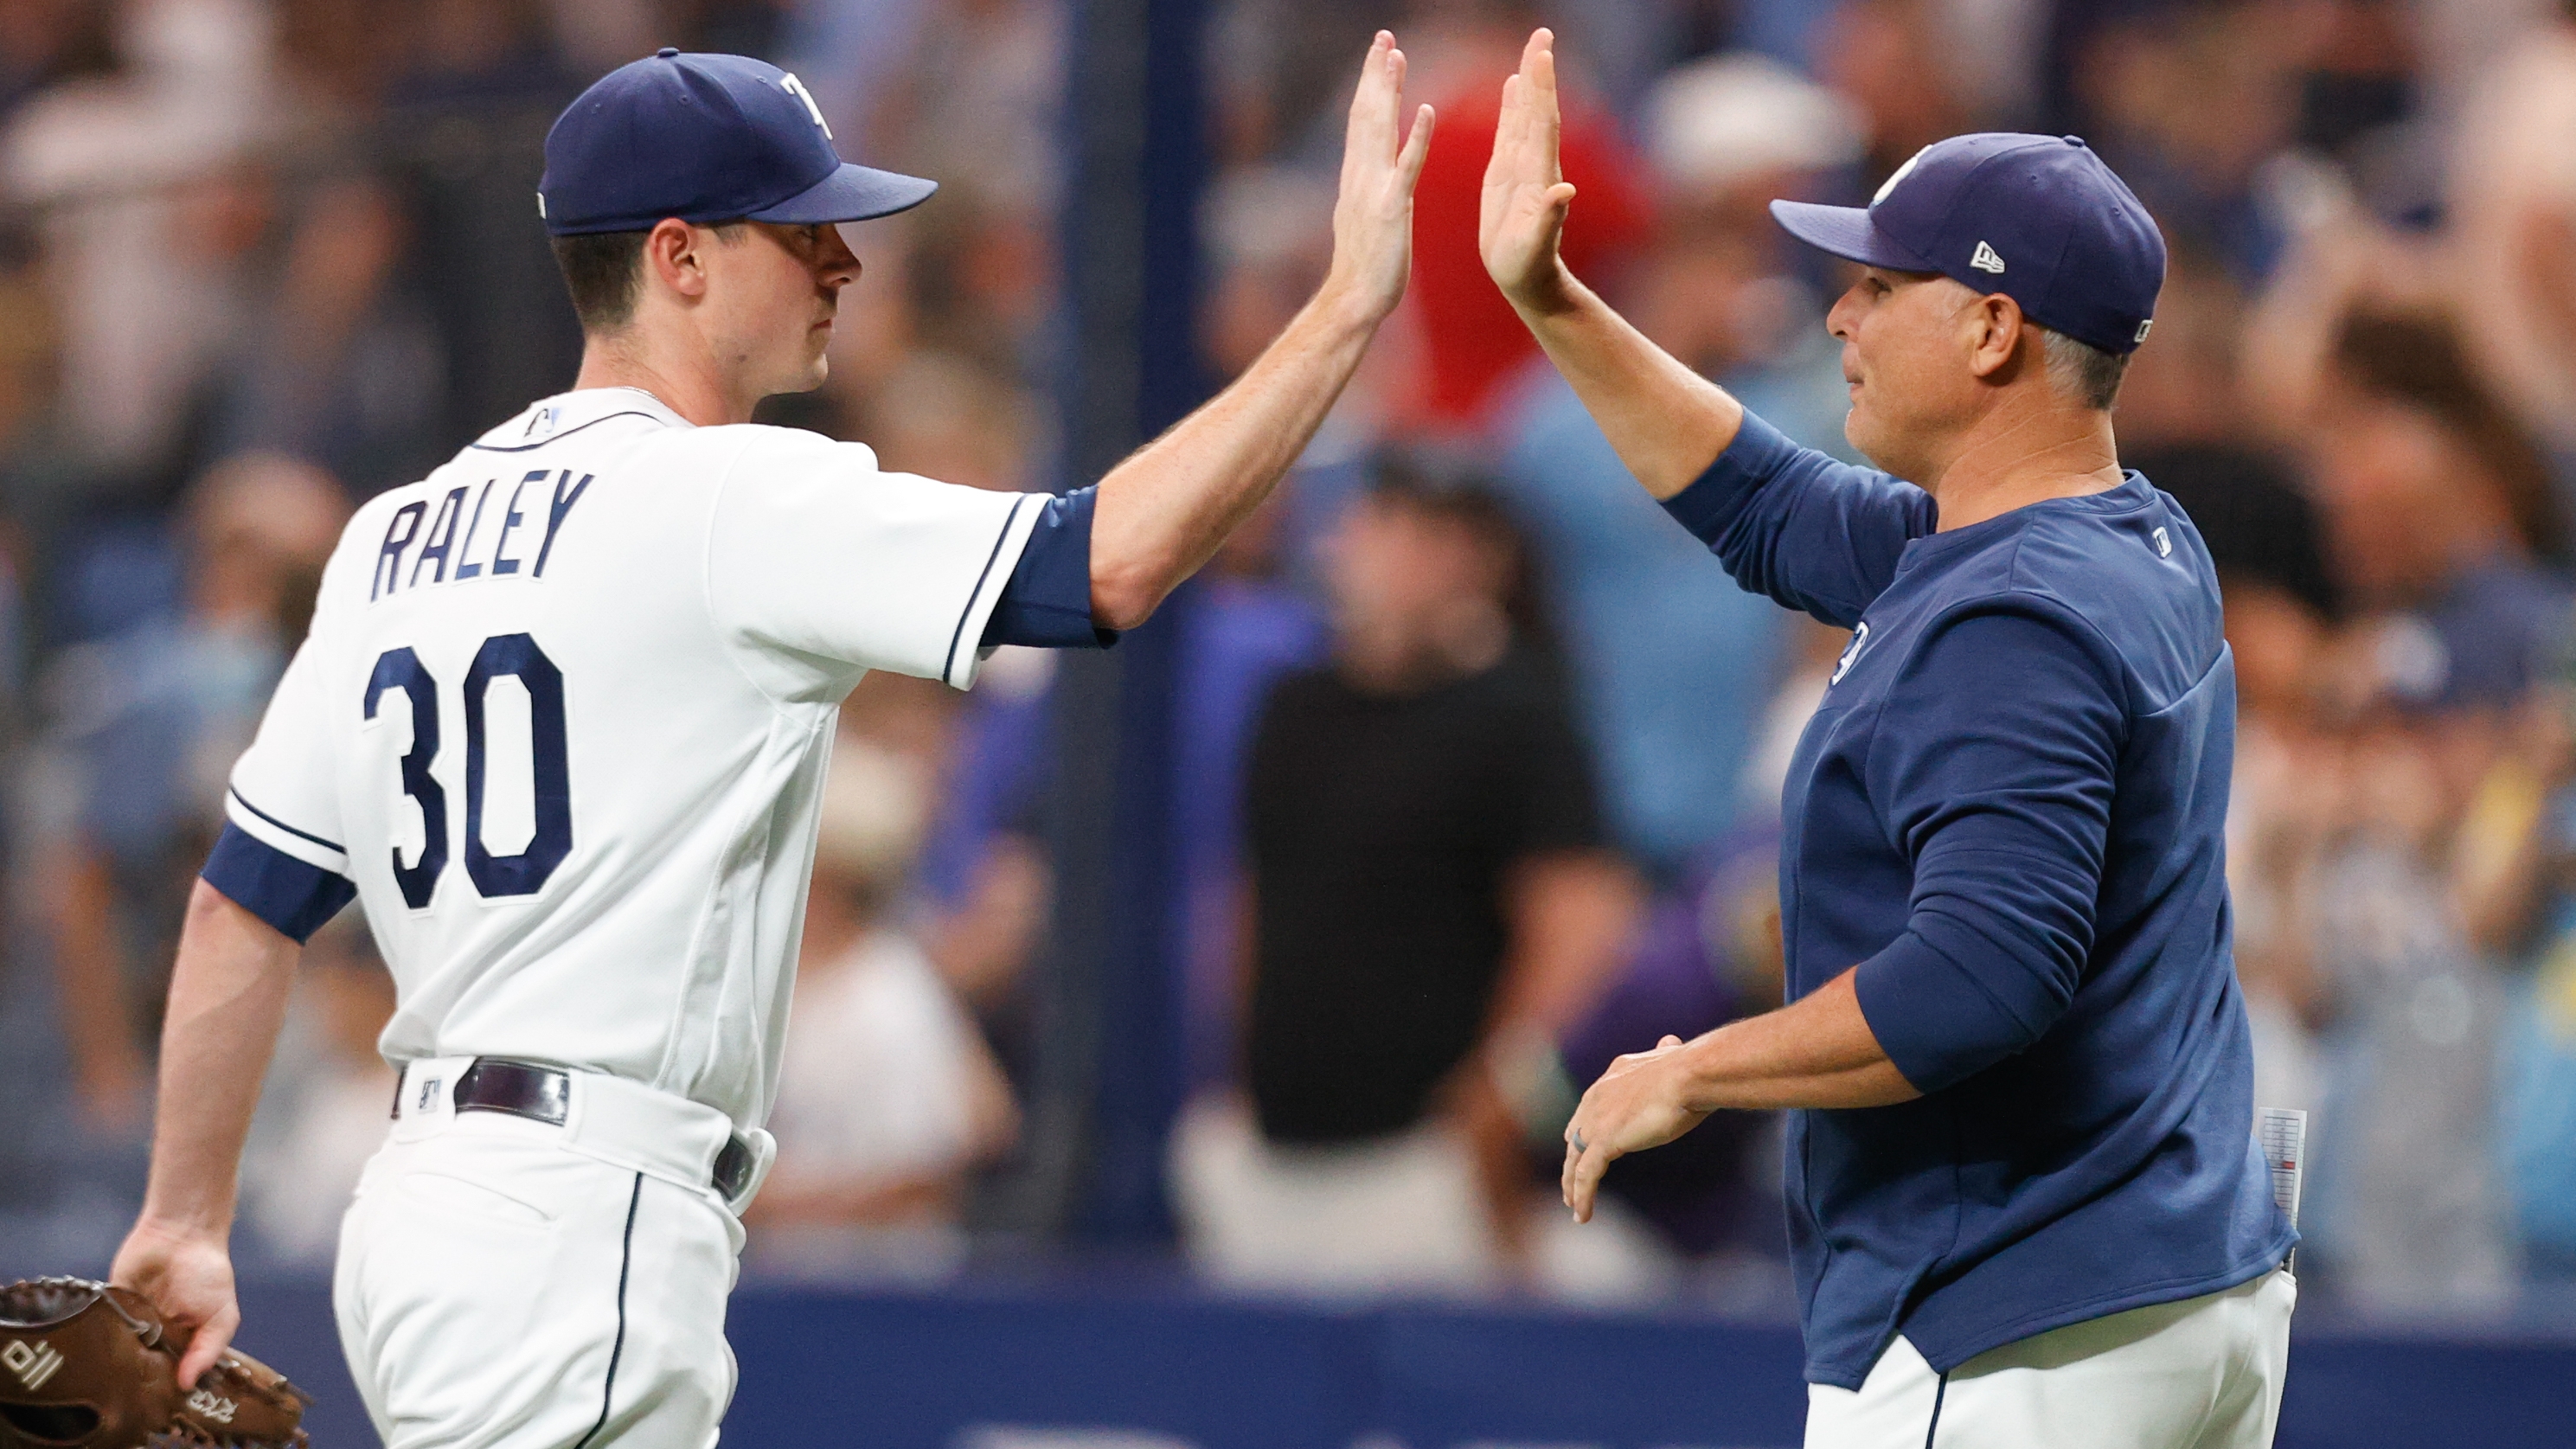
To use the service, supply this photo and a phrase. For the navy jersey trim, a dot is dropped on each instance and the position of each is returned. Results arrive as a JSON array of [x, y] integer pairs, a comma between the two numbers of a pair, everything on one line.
[[282, 825], [566, 433], [625, 1266], [1046, 602], [958, 635], [293, 896]]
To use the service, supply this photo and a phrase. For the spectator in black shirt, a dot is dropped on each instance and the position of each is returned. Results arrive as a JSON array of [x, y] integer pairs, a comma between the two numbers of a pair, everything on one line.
[[1430, 902]]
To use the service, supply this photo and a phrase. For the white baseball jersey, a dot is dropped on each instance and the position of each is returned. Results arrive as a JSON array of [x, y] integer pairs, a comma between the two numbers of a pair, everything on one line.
[[564, 715]]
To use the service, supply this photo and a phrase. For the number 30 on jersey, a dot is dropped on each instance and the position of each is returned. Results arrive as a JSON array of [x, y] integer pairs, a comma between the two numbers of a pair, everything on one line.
[[525, 873]]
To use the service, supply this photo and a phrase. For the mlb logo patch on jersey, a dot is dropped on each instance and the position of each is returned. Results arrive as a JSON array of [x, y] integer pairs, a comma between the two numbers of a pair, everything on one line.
[[1851, 651]]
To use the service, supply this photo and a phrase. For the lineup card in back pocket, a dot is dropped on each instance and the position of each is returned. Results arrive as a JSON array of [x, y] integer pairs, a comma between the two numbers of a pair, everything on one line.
[[2283, 1133]]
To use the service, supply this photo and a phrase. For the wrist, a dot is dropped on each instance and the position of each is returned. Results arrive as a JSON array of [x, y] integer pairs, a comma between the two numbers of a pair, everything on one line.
[[1348, 310], [192, 1224], [1695, 1083], [1552, 293]]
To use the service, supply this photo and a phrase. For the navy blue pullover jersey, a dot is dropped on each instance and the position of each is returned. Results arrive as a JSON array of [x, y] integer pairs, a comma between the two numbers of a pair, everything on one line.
[[2008, 813]]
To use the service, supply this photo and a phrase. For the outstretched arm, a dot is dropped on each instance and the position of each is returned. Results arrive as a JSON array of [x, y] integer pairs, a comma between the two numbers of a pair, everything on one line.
[[227, 1001], [1162, 512], [1813, 533], [1667, 422]]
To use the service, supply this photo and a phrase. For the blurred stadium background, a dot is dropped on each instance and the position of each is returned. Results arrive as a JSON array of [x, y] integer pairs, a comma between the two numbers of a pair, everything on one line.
[[1183, 1033]]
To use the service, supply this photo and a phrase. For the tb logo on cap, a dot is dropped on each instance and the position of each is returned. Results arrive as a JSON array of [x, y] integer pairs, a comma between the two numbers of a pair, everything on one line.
[[1899, 174], [788, 82]]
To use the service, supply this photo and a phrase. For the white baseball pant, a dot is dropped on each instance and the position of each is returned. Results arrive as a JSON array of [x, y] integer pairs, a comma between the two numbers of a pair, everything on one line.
[[510, 1284], [2199, 1373]]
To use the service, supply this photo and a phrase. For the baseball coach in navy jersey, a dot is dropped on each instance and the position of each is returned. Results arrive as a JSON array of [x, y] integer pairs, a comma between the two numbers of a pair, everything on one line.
[[2026, 1206]]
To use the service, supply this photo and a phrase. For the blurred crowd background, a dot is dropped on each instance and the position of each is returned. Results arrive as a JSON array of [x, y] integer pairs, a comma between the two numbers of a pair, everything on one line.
[[1474, 756]]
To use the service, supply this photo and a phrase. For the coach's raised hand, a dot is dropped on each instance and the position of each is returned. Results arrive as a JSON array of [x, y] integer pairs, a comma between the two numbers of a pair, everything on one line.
[[1526, 195], [1665, 421]]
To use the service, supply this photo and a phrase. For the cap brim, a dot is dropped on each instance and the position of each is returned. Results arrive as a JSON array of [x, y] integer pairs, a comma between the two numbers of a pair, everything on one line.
[[1847, 232], [853, 193]]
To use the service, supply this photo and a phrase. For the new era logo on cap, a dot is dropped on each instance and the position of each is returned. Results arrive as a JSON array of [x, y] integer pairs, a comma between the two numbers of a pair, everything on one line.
[[2087, 260]]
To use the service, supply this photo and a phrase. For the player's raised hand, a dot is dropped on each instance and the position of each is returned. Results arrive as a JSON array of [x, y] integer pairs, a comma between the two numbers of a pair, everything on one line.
[[1637, 1104], [1526, 195], [1373, 217]]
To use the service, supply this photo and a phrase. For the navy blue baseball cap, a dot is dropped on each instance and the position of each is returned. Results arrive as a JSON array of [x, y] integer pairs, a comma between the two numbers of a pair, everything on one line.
[[2038, 218], [705, 138]]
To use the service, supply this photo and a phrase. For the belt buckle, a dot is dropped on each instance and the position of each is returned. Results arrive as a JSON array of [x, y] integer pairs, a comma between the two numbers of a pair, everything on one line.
[[518, 1089]]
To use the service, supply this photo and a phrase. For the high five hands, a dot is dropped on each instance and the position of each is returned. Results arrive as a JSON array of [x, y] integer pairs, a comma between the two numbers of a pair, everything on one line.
[[1373, 215], [1526, 195]]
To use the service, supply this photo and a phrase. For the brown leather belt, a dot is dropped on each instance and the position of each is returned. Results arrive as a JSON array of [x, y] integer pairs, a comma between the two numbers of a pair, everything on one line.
[[543, 1094]]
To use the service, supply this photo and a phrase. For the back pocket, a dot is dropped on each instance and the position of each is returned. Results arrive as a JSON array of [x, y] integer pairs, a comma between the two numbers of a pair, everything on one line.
[[440, 1192]]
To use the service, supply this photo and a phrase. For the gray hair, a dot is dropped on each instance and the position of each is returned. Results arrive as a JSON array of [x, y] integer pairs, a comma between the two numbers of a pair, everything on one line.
[[2082, 372]]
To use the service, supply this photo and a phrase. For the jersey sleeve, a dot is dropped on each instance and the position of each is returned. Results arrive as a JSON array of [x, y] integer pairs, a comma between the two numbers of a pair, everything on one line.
[[282, 854], [827, 566], [1047, 603], [1815, 533], [1996, 758]]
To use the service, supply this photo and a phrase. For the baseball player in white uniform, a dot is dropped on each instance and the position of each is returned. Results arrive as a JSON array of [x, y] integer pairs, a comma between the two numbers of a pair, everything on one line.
[[562, 724]]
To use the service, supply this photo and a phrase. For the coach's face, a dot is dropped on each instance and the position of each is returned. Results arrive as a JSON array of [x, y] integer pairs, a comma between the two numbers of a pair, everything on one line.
[[1910, 359], [772, 292]]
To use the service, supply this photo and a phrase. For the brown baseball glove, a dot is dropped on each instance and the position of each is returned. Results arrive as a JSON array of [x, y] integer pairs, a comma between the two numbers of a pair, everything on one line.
[[87, 1366]]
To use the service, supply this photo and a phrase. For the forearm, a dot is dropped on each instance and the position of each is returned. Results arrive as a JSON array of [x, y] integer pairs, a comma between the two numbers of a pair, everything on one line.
[[227, 1001], [1817, 1052], [1666, 422], [1162, 513]]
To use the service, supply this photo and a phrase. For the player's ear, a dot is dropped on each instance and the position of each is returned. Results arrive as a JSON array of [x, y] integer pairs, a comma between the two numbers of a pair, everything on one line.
[[674, 257], [1994, 334]]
